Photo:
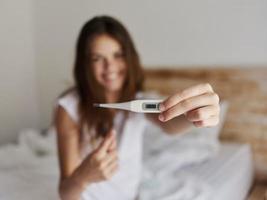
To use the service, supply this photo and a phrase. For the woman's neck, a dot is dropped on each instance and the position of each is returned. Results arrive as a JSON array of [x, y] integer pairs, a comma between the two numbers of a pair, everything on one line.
[[112, 97]]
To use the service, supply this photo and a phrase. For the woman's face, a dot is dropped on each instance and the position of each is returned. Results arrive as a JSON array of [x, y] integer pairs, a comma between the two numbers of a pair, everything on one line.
[[108, 63]]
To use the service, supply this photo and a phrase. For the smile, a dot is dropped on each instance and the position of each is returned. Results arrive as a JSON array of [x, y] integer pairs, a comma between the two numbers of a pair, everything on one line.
[[111, 76]]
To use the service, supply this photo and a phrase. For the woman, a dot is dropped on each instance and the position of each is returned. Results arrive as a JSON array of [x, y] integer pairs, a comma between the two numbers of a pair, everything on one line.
[[100, 149]]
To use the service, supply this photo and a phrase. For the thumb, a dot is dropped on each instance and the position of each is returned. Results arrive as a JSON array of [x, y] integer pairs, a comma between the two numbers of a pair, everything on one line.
[[113, 145], [105, 144]]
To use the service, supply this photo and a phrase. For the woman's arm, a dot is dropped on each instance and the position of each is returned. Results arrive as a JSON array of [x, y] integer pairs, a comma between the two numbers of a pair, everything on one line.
[[76, 175], [71, 184], [195, 106]]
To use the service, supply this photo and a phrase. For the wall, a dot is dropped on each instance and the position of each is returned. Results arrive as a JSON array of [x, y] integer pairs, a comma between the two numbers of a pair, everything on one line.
[[38, 39], [180, 33], [18, 94]]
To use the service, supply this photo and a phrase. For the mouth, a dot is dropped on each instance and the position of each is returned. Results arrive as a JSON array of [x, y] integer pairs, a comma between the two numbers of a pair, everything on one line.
[[111, 76]]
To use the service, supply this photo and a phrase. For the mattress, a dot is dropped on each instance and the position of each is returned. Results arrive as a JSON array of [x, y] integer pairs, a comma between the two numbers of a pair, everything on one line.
[[230, 174]]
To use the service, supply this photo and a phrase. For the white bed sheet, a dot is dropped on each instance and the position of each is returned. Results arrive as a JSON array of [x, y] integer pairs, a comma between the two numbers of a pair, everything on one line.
[[226, 176], [35, 179], [230, 174]]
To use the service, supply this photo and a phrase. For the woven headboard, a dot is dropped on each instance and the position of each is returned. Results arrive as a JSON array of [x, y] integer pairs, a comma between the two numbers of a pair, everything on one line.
[[246, 91]]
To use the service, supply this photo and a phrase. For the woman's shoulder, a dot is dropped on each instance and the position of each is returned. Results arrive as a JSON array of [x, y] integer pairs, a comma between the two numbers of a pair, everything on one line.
[[69, 101], [70, 93]]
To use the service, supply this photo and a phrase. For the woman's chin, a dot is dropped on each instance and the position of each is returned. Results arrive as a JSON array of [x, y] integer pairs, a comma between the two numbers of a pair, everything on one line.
[[113, 88]]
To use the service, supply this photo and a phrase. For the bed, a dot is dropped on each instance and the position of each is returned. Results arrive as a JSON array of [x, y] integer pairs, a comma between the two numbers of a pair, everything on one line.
[[229, 175], [28, 170], [31, 172], [195, 165], [245, 90]]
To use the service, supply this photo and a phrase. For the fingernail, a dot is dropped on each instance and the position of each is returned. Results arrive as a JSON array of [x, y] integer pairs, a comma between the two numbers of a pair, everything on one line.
[[161, 107], [161, 117]]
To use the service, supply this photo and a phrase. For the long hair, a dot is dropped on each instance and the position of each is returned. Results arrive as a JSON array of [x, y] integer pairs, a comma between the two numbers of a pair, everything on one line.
[[88, 89]]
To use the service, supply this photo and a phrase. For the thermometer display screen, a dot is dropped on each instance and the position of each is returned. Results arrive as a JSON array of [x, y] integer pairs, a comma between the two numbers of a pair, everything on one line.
[[150, 106]]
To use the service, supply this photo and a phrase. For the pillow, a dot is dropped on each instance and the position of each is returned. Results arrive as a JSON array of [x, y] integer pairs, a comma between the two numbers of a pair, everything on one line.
[[39, 144]]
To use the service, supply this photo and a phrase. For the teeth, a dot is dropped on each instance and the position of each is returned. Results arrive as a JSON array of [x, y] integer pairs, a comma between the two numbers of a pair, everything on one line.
[[111, 76]]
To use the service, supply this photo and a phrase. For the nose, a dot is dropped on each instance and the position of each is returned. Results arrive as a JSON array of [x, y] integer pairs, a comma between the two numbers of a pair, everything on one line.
[[110, 64]]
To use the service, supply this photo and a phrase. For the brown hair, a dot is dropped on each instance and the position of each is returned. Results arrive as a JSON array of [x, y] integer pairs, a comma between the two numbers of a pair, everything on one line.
[[88, 89]]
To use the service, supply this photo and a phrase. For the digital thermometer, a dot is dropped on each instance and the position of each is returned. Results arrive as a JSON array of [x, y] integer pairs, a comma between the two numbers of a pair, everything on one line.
[[140, 106]]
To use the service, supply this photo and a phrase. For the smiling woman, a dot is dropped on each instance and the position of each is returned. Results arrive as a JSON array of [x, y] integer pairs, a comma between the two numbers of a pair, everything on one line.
[[100, 149], [107, 69], [108, 64]]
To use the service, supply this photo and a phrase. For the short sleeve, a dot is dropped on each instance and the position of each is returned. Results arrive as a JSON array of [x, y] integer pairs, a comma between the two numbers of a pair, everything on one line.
[[70, 104]]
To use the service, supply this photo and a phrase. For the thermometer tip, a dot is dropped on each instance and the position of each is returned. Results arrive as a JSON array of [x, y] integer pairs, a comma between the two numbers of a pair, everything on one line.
[[96, 104]]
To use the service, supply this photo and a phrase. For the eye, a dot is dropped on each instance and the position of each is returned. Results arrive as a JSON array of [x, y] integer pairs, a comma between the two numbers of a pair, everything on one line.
[[95, 59], [119, 55]]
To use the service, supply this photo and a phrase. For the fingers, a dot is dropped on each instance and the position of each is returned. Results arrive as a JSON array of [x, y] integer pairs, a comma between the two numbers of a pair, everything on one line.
[[109, 171], [212, 121], [109, 165], [113, 167], [189, 104], [107, 142], [185, 94], [113, 145], [110, 158], [202, 113], [103, 168], [102, 163]]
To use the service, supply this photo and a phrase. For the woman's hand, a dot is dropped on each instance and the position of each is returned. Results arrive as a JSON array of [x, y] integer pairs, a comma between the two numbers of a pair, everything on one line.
[[102, 163], [199, 104]]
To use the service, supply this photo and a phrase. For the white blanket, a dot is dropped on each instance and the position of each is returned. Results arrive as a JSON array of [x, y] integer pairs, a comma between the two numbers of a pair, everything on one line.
[[174, 186], [164, 155], [29, 169]]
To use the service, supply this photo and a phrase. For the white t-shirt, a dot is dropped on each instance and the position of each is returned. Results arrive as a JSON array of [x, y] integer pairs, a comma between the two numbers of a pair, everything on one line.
[[124, 184]]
